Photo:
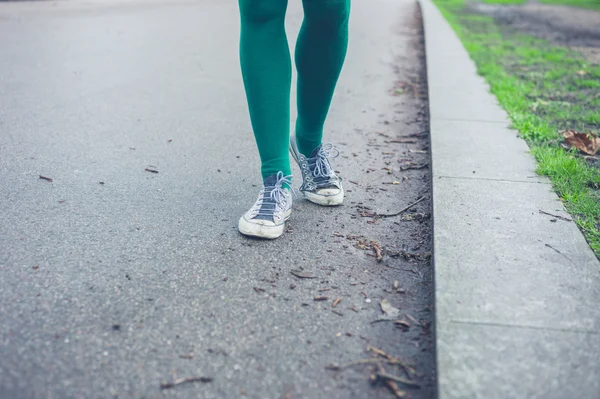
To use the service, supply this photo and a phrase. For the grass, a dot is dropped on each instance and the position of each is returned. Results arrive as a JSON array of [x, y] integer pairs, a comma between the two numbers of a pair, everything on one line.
[[504, 1], [544, 89], [590, 4]]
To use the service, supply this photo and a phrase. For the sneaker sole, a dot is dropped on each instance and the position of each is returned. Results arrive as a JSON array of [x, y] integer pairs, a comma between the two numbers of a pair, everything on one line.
[[260, 230], [325, 200]]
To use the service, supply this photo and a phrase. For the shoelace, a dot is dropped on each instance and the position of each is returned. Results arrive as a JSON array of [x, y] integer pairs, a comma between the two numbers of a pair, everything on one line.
[[276, 194], [323, 171]]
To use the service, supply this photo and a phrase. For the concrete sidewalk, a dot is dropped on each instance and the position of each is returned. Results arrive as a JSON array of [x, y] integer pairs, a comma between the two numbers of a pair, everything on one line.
[[517, 293]]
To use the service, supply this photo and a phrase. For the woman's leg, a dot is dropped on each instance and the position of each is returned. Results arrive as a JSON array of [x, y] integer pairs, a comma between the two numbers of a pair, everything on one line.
[[267, 74], [320, 54]]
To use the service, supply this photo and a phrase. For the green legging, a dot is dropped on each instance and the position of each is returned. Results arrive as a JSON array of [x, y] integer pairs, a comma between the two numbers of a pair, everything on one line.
[[267, 73]]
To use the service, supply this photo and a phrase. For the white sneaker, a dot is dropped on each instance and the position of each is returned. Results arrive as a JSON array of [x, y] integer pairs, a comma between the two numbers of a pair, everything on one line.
[[267, 217], [320, 184]]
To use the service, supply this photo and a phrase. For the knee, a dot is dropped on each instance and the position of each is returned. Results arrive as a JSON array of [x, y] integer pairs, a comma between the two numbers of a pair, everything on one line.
[[327, 14], [262, 11]]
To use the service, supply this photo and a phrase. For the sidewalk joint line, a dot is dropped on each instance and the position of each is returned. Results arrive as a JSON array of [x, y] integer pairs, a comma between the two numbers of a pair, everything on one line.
[[492, 179], [489, 324]]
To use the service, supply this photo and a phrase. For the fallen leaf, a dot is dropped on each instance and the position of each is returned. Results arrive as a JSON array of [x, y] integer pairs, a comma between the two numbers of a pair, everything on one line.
[[402, 324], [301, 274], [378, 250], [389, 312], [584, 142]]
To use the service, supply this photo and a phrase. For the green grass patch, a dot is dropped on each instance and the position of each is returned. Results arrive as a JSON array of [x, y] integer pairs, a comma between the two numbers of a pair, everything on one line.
[[544, 89], [504, 1], [591, 4]]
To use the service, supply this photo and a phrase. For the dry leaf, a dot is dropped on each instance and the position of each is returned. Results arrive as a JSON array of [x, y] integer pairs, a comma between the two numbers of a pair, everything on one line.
[[584, 142], [378, 250], [402, 324], [389, 312]]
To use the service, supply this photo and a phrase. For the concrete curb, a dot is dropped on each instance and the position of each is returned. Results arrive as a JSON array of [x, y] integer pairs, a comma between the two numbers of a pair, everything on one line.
[[516, 290]]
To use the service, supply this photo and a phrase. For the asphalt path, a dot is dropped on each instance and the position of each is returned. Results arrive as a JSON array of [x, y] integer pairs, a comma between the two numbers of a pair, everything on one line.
[[114, 279]]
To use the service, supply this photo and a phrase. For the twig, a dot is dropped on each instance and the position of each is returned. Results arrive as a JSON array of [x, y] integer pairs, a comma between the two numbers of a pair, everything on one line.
[[551, 247], [151, 170], [46, 178], [378, 351], [179, 381], [389, 383], [374, 360], [387, 215], [416, 134], [416, 167], [408, 383], [557, 251], [336, 302], [391, 359], [402, 141], [395, 389], [301, 274], [556, 216]]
